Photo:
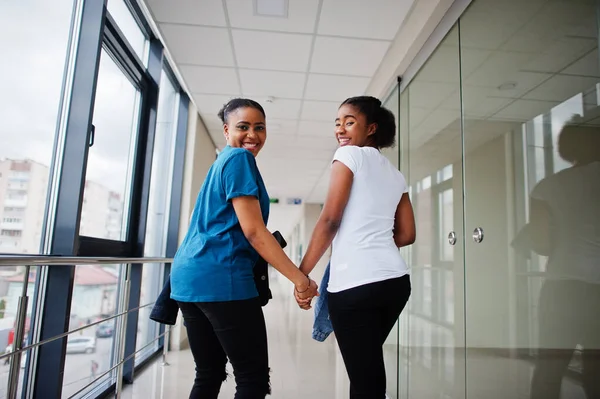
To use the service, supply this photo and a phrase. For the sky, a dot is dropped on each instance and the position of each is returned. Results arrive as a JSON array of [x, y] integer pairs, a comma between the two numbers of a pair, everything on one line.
[[30, 87]]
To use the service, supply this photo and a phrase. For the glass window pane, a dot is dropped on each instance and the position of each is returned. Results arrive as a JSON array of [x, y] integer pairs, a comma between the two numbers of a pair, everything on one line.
[[158, 212], [32, 32], [110, 160], [130, 28], [13, 289], [90, 351]]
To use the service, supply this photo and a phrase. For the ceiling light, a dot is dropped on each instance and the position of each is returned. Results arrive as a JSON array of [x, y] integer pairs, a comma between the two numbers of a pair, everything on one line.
[[507, 86], [271, 8]]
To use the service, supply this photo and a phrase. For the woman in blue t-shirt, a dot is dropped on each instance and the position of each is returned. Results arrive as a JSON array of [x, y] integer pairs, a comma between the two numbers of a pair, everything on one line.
[[212, 278]]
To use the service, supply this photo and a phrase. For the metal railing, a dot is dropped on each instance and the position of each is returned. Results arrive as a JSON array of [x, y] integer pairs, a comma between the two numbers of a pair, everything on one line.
[[21, 315]]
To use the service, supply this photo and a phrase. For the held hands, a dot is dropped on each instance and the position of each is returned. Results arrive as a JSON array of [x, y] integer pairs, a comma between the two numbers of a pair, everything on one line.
[[304, 294]]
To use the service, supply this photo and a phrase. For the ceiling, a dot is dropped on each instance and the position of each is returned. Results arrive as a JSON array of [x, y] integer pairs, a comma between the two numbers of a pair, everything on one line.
[[518, 60], [299, 67]]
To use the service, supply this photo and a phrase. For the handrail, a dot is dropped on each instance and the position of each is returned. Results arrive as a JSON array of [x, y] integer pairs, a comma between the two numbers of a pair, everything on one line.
[[21, 316], [74, 260]]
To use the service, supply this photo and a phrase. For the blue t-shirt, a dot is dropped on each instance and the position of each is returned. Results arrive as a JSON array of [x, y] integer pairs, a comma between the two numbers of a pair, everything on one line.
[[215, 261]]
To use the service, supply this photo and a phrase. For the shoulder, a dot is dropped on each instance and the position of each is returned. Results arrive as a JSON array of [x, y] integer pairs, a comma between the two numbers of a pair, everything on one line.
[[237, 157], [348, 151]]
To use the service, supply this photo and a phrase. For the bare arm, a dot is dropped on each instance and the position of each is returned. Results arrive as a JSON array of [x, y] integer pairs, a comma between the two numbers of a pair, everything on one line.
[[331, 216], [405, 231], [248, 212]]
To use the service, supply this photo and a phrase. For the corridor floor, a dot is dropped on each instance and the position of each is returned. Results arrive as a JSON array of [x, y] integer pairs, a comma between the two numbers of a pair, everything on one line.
[[301, 367]]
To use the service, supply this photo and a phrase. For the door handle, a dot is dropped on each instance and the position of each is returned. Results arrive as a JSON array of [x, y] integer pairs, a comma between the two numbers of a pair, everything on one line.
[[478, 235], [452, 238], [92, 136]]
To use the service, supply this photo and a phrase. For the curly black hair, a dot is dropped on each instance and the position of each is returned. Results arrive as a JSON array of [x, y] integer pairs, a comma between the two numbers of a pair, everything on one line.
[[385, 135], [237, 103]]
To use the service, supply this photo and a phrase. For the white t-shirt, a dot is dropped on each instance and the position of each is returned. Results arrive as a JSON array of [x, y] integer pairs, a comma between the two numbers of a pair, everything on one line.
[[363, 249]]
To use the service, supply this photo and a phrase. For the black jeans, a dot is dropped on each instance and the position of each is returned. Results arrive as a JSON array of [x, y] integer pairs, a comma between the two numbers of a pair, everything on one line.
[[362, 318], [221, 330]]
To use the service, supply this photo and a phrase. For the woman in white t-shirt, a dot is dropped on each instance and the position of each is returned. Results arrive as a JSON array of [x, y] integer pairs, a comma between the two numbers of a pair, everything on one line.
[[367, 216]]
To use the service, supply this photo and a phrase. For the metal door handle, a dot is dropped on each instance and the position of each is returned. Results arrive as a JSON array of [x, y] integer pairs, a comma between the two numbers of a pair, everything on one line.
[[478, 235], [452, 238]]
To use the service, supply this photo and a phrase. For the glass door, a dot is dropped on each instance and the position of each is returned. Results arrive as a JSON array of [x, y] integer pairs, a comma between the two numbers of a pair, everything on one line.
[[531, 93], [431, 158]]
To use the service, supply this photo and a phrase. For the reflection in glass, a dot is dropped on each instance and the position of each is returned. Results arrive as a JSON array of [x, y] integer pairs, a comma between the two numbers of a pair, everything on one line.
[[434, 151], [13, 283], [110, 160], [90, 351], [33, 33], [532, 173]]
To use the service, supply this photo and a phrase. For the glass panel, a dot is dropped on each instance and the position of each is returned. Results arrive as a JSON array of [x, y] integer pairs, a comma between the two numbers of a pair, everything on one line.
[[532, 184], [158, 212], [403, 323], [12, 289], [130, 28], [110, 161], [90, 351], [390, 346], [434, 152], [29, 111]]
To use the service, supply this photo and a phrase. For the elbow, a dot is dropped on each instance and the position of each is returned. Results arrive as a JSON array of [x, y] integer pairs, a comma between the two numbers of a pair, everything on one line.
[[252, 234], [405, 239], [332, 224]]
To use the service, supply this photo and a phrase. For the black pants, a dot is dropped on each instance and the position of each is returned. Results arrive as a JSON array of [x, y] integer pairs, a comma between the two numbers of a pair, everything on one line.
[[221, 330], [362, 318]]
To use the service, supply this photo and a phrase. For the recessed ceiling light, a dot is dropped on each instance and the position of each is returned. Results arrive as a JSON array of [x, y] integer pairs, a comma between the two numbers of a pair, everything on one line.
[[271, 8], [507, 86]]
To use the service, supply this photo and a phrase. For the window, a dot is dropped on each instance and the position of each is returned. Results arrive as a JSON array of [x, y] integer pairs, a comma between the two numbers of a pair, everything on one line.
[[130, 28], [111, 158], [158, 210], [30, 104]]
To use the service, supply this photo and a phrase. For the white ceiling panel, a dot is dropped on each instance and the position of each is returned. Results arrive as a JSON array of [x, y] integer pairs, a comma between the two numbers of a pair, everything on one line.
[[196, 12], [281, 128], [524, 110], [560, 87], [498, 68], [198, 45], [373, 19], [211, 80], [586, 66], [344, 52], [268, 50], [269, 83], [210, 103], [212, 122], [281, 108], [561, 53], [302, 15], [320, 110], [334, 88], [319, 129]]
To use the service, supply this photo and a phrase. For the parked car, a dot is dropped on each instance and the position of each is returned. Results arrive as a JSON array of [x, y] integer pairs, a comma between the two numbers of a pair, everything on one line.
[[105, 330], [81, 344]]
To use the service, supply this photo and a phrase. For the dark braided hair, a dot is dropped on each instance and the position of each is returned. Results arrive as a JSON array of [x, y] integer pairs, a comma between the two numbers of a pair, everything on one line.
[[237, 103], [385, 135]]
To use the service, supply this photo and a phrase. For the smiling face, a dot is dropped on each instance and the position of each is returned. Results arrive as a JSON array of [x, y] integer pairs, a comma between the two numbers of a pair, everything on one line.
[[246, 128], [351, 127]]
